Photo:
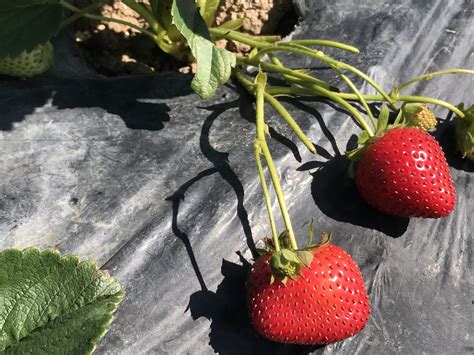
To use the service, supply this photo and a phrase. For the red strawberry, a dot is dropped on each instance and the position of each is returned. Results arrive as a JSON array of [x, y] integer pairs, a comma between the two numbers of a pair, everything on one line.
[[326, 303], [405, 173]]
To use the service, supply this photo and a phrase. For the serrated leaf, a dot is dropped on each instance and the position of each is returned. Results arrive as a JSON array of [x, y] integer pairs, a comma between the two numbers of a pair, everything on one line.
[[51, 304], [214, 65], [207, 9], [26, 24]]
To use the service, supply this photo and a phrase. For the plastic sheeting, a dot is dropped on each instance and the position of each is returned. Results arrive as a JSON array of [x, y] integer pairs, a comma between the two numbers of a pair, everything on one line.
[[161, 188]]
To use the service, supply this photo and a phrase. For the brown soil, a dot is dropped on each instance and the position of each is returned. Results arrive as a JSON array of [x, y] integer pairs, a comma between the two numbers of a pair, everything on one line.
[[114, 49]]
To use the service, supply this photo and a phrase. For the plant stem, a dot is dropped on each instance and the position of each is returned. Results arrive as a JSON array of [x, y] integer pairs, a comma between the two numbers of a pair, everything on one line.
[[77, 16], [104, 18], [358, 94], [430, 76], [262, 143], [284, 113], [141, 10], [322, 42], [239, 37], [286, 90], [320, 90], [402, 98], [266, 194], [298, 49]]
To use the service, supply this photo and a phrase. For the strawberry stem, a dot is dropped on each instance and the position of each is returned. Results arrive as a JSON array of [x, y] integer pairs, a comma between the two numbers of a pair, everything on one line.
[[258, 89], [306, 91], [278, 67], [91, 8], [429, 76]]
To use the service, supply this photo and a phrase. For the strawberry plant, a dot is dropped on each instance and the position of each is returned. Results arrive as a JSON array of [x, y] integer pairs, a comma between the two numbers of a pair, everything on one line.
[[309, 295]]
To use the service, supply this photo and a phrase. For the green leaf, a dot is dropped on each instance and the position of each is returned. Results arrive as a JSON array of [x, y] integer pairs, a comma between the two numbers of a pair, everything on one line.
[[51, 304], [214, 65], [27, 23], [207, 9]]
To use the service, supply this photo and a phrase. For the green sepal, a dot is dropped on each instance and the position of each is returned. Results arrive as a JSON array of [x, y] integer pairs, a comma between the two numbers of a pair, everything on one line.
[[285, 264], [325, 239], [310, 239], [261, 252], [363, 138], [290, 256], [382, 121], [305, 256]]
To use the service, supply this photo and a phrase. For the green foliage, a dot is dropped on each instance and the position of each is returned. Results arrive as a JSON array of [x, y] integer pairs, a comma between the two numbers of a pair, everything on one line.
[[207, 9], [27, 23], [214, 65], [465, 132], [51, 304]]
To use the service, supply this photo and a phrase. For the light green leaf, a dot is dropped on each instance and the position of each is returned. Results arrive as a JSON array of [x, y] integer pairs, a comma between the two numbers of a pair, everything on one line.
[[53, 305], [27, 23], [214, 65], [207, 9]]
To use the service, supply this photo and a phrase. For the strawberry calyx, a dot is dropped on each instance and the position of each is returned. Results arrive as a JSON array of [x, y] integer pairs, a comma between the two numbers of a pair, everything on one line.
[[286, 263], [464, 132], [416, 115]]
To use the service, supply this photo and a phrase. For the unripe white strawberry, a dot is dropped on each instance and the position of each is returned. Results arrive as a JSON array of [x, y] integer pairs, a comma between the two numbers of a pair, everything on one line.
[[419, 116], [28, 64]]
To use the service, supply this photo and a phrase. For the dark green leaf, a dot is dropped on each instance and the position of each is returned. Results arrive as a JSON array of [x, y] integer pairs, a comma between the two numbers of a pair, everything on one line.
[[51, 304], [214, 65], [27, 23]]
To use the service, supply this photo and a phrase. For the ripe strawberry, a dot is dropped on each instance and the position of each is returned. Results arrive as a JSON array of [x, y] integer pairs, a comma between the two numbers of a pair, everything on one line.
[[325, 303], [28, 64], [405, 173]]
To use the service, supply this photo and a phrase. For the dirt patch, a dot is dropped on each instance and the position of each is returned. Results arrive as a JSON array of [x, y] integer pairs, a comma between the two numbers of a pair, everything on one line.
[[115, 49]]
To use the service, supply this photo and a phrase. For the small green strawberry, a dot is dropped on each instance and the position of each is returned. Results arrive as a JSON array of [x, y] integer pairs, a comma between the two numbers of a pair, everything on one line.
[[419, 116], [465, 132], [28, 64]]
